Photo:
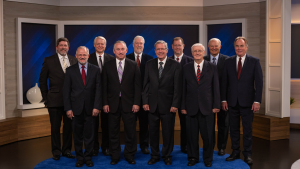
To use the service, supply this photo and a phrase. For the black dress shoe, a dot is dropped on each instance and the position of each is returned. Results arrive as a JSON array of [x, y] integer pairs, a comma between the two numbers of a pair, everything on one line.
[[145, 150], [184, 150], [207, 164], [221, 152], [153, 161], [233, 157], [114, 162], [69, 155], [79, 163], [168, 161], [89, 163], [105, 152], [95, 152], [192, 162], [131, 161], [248, 160], [56, 157]]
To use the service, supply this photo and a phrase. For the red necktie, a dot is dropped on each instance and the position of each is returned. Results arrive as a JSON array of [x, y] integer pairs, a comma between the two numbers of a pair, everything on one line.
[[177, 58], [198, 74], [100, 63], [239, 70], [138, 61], [83, 75]]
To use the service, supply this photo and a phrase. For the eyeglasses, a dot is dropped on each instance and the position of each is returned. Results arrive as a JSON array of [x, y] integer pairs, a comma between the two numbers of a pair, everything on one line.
[[200, 51], [120, 49], [158, 49]]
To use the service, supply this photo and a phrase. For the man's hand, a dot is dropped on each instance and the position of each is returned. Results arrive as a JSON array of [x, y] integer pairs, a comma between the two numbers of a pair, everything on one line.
[[95, 112], [70, 114], [146, 107], [135, 108], [106, 108], [183, 112], [224, 106], [255, 107], [216, 110], [173, 109]]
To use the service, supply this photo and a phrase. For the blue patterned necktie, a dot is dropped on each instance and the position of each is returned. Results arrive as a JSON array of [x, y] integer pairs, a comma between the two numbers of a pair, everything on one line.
[[120, 73], [160, 69], [214, 61]]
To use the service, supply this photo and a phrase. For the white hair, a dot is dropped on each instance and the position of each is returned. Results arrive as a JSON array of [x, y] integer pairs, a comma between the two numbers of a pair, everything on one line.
[[214, 39], [83, 47], [161, 42], [99, 37], [120, 41], [139, 37], [197, 44]]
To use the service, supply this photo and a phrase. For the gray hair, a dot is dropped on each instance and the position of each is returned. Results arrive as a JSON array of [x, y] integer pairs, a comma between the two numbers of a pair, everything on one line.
[[120, 41], [83, 47], [161, 42], [214, 39], [197, 44], [138, 36], [99, 37]]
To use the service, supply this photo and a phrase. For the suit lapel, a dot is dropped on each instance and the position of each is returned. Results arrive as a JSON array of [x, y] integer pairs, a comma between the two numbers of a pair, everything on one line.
[[204, 71], [90, 70], [220, 61], [57, 62], [245, 65], [155, 68], [143, 61], [167, 67], [72, 60], [192, 72], [183, 60], [234, 66], [78, 74], [126, 67]]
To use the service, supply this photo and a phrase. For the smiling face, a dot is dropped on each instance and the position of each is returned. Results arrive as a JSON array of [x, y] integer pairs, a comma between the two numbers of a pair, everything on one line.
[[198, 53], [62, 48], [120, 51], [161, 51], [178, 47], [82, 56], [100, 46], [240, 47], [214, 47], [138, 45]]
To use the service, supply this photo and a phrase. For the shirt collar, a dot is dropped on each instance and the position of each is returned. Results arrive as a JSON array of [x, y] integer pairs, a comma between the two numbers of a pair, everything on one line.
[[201, 64], [60, 56], [120, 60], [178, 56], [85, 65], [217, 57], [99, 55], [243, 57], [135, 54], [164, 61]]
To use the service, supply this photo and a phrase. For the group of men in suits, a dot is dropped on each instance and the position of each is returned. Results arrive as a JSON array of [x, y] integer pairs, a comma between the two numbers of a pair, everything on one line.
[[200, 88]]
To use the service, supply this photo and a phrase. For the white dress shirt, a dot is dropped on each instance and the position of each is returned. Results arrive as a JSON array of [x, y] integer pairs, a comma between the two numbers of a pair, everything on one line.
[[140, 56], [122, 63], [196, 66], [242, 60], [102, 58], [85, 67], [180, 57], [61, 60], [217, 58], [164, 62]]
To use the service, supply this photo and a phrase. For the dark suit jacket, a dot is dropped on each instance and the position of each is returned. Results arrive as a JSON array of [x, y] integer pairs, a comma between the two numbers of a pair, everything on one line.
[[53, 71], [185, 59], [130, 86], [220, 64], [248, 88], [78, 96], [145, 59], [205, 95], [93, 59], [165, 92]]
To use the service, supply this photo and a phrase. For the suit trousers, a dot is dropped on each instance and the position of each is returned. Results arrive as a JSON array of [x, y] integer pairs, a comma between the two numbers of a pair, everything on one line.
[[104, 127], [57, 114], [247, 118], [129, 119], [167, 123], [205, 124], [223, 129], [83, 130], [183, 140], [143, 124]]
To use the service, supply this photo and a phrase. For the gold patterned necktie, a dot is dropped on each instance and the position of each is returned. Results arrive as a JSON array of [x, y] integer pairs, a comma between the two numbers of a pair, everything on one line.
[[65, 66]]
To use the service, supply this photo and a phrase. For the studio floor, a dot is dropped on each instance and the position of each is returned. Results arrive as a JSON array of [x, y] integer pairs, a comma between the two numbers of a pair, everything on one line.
[[280, 154]]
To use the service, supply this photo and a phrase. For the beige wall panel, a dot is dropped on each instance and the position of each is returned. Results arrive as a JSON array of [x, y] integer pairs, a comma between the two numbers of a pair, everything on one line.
[[275, 52], [275, 78], [132, 13], [275, 32], [275, 105], [275, 8], [295, 93]]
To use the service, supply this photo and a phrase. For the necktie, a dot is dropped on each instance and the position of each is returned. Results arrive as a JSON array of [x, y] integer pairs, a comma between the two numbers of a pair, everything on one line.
[[83, 74], [198, 74], [239, 70], [138, 61], [64, 64], [120, 71], [177, 58], [100, 64], [160, 69], [214, 61]]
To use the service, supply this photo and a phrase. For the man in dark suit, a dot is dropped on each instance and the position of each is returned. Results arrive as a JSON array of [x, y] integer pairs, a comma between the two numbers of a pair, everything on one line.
[[54, 68], [201, 99], [162, 97], [82, 100], [218, 59], [141, 58], [99, 58], [121, 97], [179, 56], [242, 83]]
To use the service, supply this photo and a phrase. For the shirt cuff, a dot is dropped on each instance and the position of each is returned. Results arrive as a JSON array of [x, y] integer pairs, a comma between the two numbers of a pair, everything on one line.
[[224, 101], [257, 102]]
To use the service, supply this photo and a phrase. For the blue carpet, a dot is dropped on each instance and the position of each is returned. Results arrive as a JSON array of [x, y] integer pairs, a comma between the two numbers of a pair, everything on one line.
[[179, 160]]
